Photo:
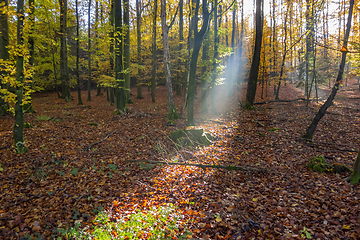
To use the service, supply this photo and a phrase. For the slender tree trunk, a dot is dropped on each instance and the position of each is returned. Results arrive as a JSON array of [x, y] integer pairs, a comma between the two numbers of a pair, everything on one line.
[[4, 53], [285, 51], [127, 50], [180, 72], [154, 58], [19, 115], [216, 56], [165, 32], [28, 107], [63, 52], [311, 129], [231, 64], [198, 37], [89, 52], [138, 33], [96, 43], [120, 82], [241, 62], [204, 72], [254, 70], [77, 55], [309, 42], [274, 60], [112, 43]]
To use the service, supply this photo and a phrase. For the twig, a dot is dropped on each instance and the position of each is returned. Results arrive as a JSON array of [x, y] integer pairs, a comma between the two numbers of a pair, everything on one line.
[[95, 143], [229, 167]]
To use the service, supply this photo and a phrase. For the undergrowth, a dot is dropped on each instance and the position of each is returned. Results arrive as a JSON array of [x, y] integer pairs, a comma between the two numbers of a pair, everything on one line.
[[164, 222]]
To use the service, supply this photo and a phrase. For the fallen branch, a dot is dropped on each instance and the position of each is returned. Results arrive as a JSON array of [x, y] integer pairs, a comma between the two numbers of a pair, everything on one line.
[[271, 101], [203, 166], [96, 143]]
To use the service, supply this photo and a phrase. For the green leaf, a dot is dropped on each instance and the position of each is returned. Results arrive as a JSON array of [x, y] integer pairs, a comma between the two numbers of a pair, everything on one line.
[[74, 171]]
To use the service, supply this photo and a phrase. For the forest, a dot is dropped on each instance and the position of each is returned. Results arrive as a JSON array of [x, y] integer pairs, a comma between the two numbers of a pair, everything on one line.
[[173, 119]]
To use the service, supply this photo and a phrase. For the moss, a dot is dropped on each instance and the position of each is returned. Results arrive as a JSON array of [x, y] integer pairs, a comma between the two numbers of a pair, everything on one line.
[[191, 137], [318, 168], [248, 106], [319, 164], [340, 168], [355, 178]]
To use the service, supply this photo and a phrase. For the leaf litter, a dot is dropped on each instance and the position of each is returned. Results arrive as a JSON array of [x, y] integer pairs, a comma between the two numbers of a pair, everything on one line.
[[74, 169]]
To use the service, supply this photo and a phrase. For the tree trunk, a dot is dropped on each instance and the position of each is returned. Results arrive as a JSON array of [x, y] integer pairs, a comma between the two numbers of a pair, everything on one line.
[[241, 44], [112, 43], [63, 52], [165, 32], [127, 50], [120, 82], [28, 107], [138, 33], [198, 37], [216, 56], [355, 176], [285, 50], [154, 58], [96, 43], [311, 129], [309, 42], [4, 53], [231, 64], [19, 115], [204, 72], [180, 73], [77, 55], [254, 70], [89, 52]]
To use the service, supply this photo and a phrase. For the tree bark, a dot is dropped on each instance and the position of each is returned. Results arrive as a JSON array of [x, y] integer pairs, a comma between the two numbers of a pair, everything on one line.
[[180, 73], [198, 37], [78, 83], [127, 50], [355, 176], [254, 70], [285, 50], [120, 82], [63, 52], [4, 53], [216, 56], [89, 52], [112, 43], [19, 115], [165, 31], [139, 58], [311, 129], [204, 72], [154, 58]]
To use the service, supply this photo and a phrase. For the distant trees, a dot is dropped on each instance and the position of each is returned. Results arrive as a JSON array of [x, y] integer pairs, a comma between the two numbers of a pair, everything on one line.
[[311, 129]]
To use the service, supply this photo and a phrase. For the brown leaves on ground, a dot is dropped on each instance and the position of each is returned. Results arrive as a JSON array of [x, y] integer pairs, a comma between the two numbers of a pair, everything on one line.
[[76, 166]]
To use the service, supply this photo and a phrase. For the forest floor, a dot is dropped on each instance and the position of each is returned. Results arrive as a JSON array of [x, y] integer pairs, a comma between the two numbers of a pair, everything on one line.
[[76, 166]]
